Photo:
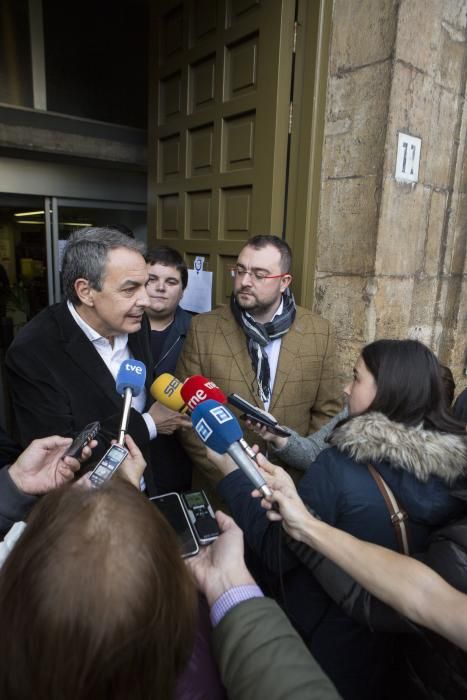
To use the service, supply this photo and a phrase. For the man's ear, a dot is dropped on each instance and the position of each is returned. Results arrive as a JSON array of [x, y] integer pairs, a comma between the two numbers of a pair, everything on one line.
[[84, 291], [285, 282]]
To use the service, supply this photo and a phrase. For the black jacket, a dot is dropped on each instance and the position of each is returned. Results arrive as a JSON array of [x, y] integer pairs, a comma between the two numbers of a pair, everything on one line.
[[9, 449], [173, 343], [59, 382], [171, 466]]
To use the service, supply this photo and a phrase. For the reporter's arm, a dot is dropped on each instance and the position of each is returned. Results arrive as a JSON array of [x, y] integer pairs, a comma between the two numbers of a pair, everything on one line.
[[404, 583], [14, 503], [258, 652], [260, 655], [299, 452]]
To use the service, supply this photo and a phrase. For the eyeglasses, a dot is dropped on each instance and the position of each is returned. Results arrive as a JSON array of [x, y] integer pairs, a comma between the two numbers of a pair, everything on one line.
[[258, 275]]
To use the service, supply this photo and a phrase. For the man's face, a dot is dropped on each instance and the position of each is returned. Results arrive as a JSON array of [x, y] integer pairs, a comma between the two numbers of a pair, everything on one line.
[[164, 290], [119, 306], [259, 297]]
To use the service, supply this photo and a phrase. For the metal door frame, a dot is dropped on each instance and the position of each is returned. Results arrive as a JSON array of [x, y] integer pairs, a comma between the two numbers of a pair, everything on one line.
[[51, 209]]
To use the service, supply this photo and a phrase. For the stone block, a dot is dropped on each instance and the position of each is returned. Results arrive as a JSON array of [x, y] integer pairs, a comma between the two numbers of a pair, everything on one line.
[[356, 121], [402, 229], [434, 234], [393, 301], [344, 301], [422, 108], [363, 32], [348, 303], [348, 226], [455, 261], [423, 309], [431, 37]]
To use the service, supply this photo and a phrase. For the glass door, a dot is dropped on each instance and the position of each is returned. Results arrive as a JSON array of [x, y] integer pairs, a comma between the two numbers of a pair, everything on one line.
[[24, 272], [68, 215]]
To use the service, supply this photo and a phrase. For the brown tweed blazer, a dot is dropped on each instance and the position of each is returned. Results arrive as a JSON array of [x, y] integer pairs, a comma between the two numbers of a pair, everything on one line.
[[305, 393]]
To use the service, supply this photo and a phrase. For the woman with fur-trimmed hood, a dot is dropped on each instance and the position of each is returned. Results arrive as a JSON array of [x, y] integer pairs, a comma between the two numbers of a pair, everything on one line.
[[398, 423]]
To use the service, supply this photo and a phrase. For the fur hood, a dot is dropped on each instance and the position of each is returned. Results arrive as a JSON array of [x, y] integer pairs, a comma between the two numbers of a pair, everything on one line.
[[423, 453]]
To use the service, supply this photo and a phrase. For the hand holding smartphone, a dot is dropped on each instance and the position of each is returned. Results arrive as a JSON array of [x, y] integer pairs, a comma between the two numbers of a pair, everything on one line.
[[108, 465], [256, 415], [170, 505], [192, 518], [88, 433]]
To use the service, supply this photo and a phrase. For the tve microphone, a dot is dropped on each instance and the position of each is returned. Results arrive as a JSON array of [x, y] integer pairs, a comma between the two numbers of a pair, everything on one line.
[[197, 389], [130, 382], [218, 428], [166, 390]]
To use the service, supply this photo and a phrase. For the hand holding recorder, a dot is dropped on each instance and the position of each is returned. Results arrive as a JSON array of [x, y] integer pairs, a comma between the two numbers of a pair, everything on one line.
[[218, 428], [221, 566], [44, 465]]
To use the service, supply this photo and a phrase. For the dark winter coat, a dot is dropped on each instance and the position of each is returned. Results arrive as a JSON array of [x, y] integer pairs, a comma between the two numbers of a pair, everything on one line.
[[421, 467], [430, 667]]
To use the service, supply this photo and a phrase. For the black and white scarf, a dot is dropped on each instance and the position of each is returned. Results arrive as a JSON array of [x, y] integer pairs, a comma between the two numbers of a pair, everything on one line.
[[260, 334]]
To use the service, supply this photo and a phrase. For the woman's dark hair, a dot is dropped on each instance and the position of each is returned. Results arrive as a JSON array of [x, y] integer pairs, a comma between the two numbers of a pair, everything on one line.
[[409, 386], [448, 384], [95, 600]]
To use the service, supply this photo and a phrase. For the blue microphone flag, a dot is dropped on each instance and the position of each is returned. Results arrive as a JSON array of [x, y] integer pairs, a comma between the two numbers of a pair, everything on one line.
[[131, 375], [215, 425]]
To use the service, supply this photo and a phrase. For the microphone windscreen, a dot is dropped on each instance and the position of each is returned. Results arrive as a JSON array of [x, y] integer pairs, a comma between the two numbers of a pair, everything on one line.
[[166, 390], [131, 375], [216, 425], [197, 389]]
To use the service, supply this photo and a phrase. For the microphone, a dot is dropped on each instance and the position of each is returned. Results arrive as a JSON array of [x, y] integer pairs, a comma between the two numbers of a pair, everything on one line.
[[166, 389], [198, 389], [130, 382], [218, 428]]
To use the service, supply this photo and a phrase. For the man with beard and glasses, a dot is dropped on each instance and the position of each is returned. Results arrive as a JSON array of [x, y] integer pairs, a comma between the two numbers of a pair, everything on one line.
[[263, 347]]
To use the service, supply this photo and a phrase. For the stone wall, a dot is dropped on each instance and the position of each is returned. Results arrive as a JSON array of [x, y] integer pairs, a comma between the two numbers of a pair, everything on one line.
[[390, 256]]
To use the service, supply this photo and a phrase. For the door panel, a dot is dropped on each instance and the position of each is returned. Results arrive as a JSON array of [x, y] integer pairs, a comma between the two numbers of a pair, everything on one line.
[[219, 97]]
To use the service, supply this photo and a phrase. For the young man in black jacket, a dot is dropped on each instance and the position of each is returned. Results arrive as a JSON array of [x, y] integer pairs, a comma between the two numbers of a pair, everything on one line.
[[168, 278]]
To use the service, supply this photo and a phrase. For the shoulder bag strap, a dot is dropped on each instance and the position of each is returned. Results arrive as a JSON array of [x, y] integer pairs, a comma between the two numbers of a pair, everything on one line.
[[398, 515]]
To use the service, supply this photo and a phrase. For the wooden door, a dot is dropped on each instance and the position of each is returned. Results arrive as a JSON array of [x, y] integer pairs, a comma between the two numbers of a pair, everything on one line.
[[218, 125]]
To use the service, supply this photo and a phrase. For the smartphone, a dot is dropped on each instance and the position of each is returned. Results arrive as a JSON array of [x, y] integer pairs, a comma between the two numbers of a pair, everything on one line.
[[201, 516], [170, 505], [256, 415], [86, 435], [108, 465]]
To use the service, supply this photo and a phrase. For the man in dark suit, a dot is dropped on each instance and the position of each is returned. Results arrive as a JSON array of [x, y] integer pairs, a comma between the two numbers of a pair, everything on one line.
[[62, 365]]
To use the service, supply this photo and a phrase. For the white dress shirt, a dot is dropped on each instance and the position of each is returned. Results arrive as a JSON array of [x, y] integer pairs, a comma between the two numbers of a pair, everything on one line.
[[113, 356]]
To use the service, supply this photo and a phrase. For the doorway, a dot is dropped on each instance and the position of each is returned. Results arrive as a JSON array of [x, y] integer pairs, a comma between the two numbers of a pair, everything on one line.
[[33, 233]]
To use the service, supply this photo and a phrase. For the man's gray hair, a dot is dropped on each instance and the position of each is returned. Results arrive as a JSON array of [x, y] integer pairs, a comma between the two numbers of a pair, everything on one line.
[[85, 256]]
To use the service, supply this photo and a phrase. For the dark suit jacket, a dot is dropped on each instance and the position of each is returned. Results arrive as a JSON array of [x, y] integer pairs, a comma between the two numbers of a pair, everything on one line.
[[171, 466], [9, 449], [59, 382]]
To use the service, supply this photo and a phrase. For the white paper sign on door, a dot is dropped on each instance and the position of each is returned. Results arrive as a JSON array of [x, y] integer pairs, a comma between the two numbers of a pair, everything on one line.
[[197, 297]]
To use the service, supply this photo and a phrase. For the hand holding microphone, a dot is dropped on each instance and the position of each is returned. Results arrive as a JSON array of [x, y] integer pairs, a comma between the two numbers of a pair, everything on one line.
[[168, 410], [198, 389], [218, 428]]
